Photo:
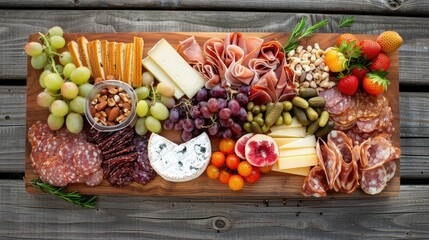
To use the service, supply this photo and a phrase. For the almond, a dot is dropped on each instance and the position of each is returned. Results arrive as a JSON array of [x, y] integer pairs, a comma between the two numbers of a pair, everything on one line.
[[93, 111], [113, 114], [101, 106]]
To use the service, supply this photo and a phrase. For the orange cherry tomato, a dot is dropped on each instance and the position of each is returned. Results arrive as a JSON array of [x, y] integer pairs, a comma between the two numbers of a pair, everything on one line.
[[224, 176], [232, 161], [254, 176], [266, 169], [236, 182], [244, 168], [212, 172], [217, 159], [226, 145]]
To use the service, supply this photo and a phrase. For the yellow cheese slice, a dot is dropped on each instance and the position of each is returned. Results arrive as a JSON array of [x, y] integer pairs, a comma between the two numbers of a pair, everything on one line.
[[161, 76], [283, 141], [128, 65], [104, 56], [308, 141], [290, 132], [169, 60], [297, 161], [290, 152], [111, 58], [294, 124], [119, 61], [302, 171], [137, 62]]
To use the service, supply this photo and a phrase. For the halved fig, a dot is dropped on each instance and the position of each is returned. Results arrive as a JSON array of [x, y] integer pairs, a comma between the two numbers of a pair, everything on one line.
[[261, 150], [241, 144]]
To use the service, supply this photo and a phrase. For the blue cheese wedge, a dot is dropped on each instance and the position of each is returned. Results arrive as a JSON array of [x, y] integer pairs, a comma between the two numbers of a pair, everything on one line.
[[179, 163]]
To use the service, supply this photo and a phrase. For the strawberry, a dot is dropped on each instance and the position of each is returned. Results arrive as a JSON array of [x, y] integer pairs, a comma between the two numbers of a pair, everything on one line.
[[359, 71], [389, 41], [380, 63], [375, 83], [370, 49], [348, 37], [348, 85]]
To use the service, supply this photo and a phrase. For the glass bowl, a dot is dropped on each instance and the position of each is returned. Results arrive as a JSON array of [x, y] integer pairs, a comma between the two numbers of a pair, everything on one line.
[[117, 94]]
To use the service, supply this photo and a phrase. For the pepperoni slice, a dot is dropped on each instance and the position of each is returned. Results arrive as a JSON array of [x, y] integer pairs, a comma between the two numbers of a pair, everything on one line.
[[315, 183], [332, 96], [373, 181], [95, 178]]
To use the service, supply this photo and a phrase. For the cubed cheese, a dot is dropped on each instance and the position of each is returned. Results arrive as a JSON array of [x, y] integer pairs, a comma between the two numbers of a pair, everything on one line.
[[186, 78], [297, 161], [308, 141]]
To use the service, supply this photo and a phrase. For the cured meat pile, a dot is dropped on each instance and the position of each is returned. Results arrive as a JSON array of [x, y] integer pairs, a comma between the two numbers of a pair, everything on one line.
[[125, 157], [362, 116], [61, 157], [236, 61], [343, 168]]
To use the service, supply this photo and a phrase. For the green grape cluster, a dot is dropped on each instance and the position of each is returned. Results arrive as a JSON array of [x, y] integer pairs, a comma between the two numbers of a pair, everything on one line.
[[65, 85]]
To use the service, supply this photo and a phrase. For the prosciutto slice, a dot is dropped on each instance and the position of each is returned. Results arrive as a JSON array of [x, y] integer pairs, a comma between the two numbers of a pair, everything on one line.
[[191, 51]]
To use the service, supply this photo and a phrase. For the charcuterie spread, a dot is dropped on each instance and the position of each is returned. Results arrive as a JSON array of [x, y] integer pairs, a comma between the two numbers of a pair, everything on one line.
[[233, 111]]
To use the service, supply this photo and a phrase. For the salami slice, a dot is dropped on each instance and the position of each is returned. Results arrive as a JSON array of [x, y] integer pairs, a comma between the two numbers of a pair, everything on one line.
[[53, 144], [315, 183], [329, 162], [66, 152], [342, 106], [143, 175], [390, 167], [121, 177], [370, 106], [378, 152], [332, 96], [55, 172], [87, 159], [373, 181], [95, 178]]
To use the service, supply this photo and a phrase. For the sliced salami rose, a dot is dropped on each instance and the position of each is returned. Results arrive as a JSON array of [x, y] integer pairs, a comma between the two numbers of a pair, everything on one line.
[[315, 183], [332, 96], [373, 181]]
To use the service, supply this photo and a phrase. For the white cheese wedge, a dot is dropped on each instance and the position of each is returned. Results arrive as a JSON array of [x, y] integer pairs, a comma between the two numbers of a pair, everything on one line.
[[295, 132], [303, 171], [161, 76], [297, 161], [290, 152], [186, 78], [283, 141], [179, 163], [308, 141]]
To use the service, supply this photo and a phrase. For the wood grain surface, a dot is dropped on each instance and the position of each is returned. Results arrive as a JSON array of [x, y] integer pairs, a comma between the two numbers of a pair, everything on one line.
[[270, 185]]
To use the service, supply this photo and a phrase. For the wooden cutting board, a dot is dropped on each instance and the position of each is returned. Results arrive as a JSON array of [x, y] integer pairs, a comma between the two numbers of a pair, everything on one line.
[[271, 185]]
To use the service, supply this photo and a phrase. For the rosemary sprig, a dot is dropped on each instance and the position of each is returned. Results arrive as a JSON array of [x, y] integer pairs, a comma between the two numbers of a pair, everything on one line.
[[60, 193], [300, 31], [346, 21]]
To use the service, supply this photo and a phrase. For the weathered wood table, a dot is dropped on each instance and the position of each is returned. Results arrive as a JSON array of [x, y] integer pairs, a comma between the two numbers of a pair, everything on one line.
[[39, 216]]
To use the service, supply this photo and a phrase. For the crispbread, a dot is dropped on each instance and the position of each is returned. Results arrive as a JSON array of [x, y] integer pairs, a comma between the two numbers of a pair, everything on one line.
[[128, 63], [94, 49], [83, 52], [110, 69], [104, 56], [74, 52]]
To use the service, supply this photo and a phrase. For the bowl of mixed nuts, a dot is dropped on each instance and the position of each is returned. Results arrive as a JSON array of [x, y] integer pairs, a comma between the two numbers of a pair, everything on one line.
[[111, 105]]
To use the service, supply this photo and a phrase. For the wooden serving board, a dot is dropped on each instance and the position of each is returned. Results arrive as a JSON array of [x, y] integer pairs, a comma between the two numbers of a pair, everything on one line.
[[271, 185]]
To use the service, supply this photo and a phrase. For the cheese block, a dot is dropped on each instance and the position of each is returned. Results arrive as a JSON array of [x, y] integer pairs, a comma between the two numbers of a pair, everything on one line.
[[128, 63], [161, 76], [297, 151], [74, 52], [111, 57], [297, 161], [294, 124], [283, 141], [308, 141], [302, 171], [119, 61], [104, 56], [294, 132], [84, 52], [94, 50], [137, 62], [169, 60], [179, 163]]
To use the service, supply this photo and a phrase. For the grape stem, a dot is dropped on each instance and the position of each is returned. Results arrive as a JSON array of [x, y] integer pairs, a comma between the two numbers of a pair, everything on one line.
[[51, 53]]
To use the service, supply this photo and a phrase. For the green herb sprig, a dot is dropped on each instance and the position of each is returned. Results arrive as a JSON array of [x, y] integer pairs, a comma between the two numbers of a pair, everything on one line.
[[346, 21], [85, 201], [300, 31]]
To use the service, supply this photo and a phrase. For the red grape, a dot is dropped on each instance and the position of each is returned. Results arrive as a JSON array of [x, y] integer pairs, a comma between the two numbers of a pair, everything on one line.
[[212, 105], [225, 113], [218, 92]]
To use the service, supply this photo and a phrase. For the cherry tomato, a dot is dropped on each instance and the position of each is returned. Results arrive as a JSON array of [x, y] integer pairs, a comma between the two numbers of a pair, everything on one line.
[[254, 176], [266, 169], [236, 182], [212, 172], [217, 159], [232, 161], [226, 145], [224, 176], [244, 168]]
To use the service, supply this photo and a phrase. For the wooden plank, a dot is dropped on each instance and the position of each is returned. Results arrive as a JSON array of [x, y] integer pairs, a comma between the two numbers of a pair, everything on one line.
[[38, 216], [203, 186], [413, 55], [12, 102], [411, 7]]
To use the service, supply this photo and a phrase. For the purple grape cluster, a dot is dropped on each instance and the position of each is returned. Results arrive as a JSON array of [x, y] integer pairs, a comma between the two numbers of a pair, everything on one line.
[[218, 111]]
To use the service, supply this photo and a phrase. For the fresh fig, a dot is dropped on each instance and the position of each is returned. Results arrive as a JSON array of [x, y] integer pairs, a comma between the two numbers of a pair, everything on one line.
[[261, 150], [241, 144]]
